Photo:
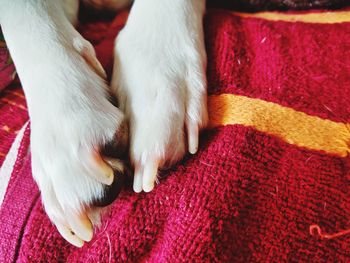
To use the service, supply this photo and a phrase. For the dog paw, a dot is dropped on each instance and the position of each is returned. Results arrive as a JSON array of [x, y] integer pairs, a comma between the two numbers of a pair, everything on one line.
[[160, 83], [74, 125], [77, 136]]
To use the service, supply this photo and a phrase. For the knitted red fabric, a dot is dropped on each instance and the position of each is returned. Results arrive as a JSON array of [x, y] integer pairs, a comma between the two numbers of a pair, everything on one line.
[[247, 196], [7, 69], [13, 111], [13, 115], [298, 65]]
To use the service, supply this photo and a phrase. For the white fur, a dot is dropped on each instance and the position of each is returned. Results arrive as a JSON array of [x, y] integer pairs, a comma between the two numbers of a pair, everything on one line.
[[67, 102], [71, 9], [159, 78]]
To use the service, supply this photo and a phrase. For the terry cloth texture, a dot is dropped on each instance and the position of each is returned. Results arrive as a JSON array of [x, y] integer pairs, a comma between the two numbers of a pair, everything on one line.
[[274, 161]]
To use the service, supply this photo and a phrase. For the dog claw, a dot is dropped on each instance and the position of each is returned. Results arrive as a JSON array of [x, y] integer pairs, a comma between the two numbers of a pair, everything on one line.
[[150, 175], [87, 51], [115, 164], [106, 176], [138, 179], [192, 135], [69, 235], [81, 226]]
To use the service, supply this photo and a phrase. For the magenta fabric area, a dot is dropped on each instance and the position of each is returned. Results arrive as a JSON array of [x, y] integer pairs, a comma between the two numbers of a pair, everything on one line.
[[7, 69]]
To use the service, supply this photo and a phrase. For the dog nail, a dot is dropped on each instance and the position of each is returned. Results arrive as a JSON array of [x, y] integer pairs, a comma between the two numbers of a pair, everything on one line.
[[116, 164], [81, 226], [148, 187], [192, 134], [138, 179], [150, 175], [107, 175], [69, 235], [87, 51], [99, 69]]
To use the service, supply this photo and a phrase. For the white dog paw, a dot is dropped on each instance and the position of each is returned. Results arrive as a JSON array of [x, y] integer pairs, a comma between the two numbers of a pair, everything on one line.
[[161, 86], [72, 124], [72, 119]]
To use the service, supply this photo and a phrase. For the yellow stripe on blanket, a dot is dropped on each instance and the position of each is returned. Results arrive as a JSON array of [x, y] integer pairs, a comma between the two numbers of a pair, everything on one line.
[[292, 126], [321, 18]]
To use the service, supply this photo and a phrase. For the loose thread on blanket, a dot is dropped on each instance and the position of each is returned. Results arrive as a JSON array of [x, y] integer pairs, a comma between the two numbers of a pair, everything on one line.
[[316, 230]]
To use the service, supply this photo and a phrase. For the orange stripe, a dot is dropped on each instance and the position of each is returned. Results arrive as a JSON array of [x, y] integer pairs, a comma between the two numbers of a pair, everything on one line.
[[15, 93], [322, 17], [292, 126], [14, 103], [6, 128]]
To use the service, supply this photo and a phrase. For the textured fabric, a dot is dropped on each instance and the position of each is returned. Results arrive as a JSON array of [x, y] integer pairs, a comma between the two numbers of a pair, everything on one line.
[[310, 17], [9, 162], [292, 126], [250, 194], [13, 115], [7, 69], [258, 5]]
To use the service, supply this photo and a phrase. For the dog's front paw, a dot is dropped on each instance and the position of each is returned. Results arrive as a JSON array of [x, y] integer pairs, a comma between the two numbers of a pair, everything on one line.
[[161, 86], [74, 127]]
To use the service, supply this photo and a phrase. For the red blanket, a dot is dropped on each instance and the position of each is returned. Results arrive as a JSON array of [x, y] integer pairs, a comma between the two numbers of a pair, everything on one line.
[[272, 173]]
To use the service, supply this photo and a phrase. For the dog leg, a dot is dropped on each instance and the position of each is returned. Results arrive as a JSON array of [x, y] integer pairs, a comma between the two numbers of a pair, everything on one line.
[[159, 78], [71, 116]]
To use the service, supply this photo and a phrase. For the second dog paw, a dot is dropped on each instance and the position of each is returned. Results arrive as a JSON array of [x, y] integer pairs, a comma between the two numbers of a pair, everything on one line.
[[161, 86]]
